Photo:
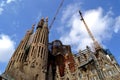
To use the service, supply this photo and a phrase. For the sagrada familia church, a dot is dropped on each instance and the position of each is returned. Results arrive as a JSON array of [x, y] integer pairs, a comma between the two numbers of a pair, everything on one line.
[[38, 59]]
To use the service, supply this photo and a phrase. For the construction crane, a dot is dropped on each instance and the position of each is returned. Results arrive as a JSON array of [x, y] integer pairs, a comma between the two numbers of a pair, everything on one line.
[[95, 43], [62, 1]]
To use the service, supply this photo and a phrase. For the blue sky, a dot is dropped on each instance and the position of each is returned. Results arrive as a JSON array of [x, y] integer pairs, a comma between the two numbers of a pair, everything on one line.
[[102, 17]]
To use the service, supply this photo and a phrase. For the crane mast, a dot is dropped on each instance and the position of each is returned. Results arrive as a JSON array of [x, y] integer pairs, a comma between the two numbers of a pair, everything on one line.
[[96, 44], [61, 4]]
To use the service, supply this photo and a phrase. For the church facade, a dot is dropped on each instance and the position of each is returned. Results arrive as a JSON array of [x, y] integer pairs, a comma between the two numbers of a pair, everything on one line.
[[38, 59]]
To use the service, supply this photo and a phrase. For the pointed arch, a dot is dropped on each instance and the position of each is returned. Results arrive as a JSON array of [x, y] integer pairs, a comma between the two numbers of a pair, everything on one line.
[[36, 77]]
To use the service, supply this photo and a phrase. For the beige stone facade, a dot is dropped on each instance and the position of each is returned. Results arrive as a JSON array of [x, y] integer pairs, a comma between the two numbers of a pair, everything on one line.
[[37, 59]]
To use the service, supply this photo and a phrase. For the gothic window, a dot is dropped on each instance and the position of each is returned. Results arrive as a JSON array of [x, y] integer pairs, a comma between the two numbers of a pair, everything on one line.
[[106, 65], [21, 56], [104, 73], [33, 65], [113, 71], [41, 52], [110, 73], [32, 51], [39, 64], [41, 38], [37, 77], [95, 78], [79, 59], [18, 57], [13, 62], [9, 65], [67, 79], [80, 75], [44, 54], [107, 73], [36, 63], [92, 78], [35, 37], [93, 71]]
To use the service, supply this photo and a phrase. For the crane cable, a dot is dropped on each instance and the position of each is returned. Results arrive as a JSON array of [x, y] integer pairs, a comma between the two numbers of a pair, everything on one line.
[[56, 14]]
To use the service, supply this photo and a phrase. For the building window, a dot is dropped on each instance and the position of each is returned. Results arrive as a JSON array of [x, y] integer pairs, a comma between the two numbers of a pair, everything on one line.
[[106, 65], [93, 71], [32, 51], [92, 78], [18, 56], [80, 75], [104, 73], [113, 72], [67, 79], [110, 73], [36, 63], [41, 52], [95, 78], [37, 77], [9, 65]]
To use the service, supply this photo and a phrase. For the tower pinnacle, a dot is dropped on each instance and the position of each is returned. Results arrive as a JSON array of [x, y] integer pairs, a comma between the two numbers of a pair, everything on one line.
[[40, 24], [32, 29], [46, 22]]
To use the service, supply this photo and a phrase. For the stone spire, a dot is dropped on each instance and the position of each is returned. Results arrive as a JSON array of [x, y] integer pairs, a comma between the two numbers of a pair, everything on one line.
[[17, 59], [33, 26], [38, 53], [41, 23]]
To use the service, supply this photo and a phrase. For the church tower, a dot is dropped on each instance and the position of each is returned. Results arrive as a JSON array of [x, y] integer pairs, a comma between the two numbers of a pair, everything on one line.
[[36, 65], [17, 59], [29, 61]]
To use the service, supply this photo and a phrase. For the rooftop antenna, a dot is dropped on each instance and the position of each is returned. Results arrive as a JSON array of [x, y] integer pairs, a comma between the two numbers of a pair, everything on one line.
[[56, 14], [95, 43]]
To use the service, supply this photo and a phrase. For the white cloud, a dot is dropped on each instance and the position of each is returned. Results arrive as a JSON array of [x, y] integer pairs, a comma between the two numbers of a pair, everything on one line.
[[1, 10], [9, 1], [117, 25], [7, 47], [69, 11], [100, 23], [0, 72], [3, 4]]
